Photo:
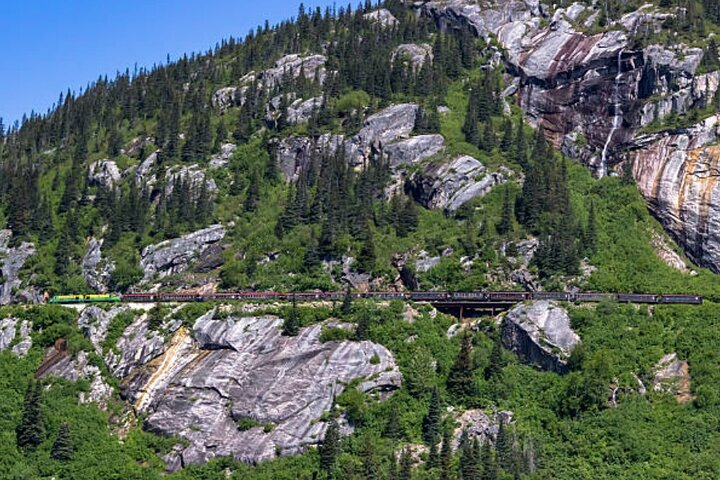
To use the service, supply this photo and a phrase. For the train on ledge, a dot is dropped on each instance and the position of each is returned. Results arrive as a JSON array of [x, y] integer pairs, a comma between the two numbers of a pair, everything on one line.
[[479, 297]]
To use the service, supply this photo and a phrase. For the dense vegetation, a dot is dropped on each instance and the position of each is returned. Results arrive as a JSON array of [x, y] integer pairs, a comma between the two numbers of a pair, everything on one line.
[[562, 425]]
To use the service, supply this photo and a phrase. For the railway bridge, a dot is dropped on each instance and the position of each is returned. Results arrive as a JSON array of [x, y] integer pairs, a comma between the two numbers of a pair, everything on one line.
[[457, 303]]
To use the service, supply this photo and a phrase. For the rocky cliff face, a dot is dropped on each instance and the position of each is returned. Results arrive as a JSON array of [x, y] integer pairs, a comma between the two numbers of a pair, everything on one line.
[[234, 386], [677, 173], [591, 93], [12, 260], [174, 256]]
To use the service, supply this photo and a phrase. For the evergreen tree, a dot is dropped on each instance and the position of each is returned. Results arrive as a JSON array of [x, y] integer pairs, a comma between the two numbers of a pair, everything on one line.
[[446, 455], [504, 448], [507, 138], [370, 462], [496, 363], [468, 468], [505, 225], [432, 421], [62, 449], [393, 429], [330, 449], [291, 325], [346, 307], [406, 465], [31, 432], [393, 473], [362, 331], [490, 468], [461, 379]]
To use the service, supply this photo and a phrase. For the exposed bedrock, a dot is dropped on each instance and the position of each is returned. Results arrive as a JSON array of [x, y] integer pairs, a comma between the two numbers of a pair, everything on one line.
[[448, 185], [96, 269], [231, 372], [677, 173], [540, 334], [12, 260], [176, 255], [588, 92]]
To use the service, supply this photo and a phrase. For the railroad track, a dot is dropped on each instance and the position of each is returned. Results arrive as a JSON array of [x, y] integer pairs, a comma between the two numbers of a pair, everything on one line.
[[478, 299]]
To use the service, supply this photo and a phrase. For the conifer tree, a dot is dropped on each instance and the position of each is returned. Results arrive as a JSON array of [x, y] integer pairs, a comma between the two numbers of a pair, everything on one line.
[[461, 379], [503, 448], [496, 364], [591, 232], [468, 467], [505, 225], [291, 325], [490, 468], [370, 462], [31, 431], [432, 421], [406, 464], [347, 303], [393, 473], [330, 449], [446, 455], [62, 449], [362, 331]]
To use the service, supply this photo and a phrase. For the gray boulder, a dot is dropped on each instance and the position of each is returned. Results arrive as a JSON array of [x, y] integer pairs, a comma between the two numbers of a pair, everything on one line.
[[174, 256], [300, 110], [224, 98], [143, 173], [291, 66], [672, 376], [386, 126], [12, 260], [222, 158], [540, 334], [104, 173], [414, 54], [243, 368], [414, 149], [480, 425], [382, 16], [96, 269], [7, 332], [450, 185], [192, 174]]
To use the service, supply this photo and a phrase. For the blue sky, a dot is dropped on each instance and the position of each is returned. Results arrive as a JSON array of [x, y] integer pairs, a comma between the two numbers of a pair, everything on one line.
[[49, 46]]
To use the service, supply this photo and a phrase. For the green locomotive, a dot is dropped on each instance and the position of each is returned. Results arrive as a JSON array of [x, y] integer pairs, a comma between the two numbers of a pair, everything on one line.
[[105, 298]]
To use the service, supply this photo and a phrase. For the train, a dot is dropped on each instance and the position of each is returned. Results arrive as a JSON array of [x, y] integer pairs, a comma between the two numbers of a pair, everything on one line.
[[419, 296]]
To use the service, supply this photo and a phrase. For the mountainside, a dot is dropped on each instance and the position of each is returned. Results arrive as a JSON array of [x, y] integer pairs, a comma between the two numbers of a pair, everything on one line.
[[449, 145]]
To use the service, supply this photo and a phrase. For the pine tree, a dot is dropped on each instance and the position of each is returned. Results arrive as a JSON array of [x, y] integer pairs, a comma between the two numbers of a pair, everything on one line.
[[370, 462], [507, 138], [393, 473], [362, 331], [406, 464], [330, 448], [346, 307], [392, 427], [62, 449], [432, 421], [461, 379], [291, 325], [496, 363], [468, 468], [31, 432], [504, 448], [505, 225], [490, 468], [446, 455]]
